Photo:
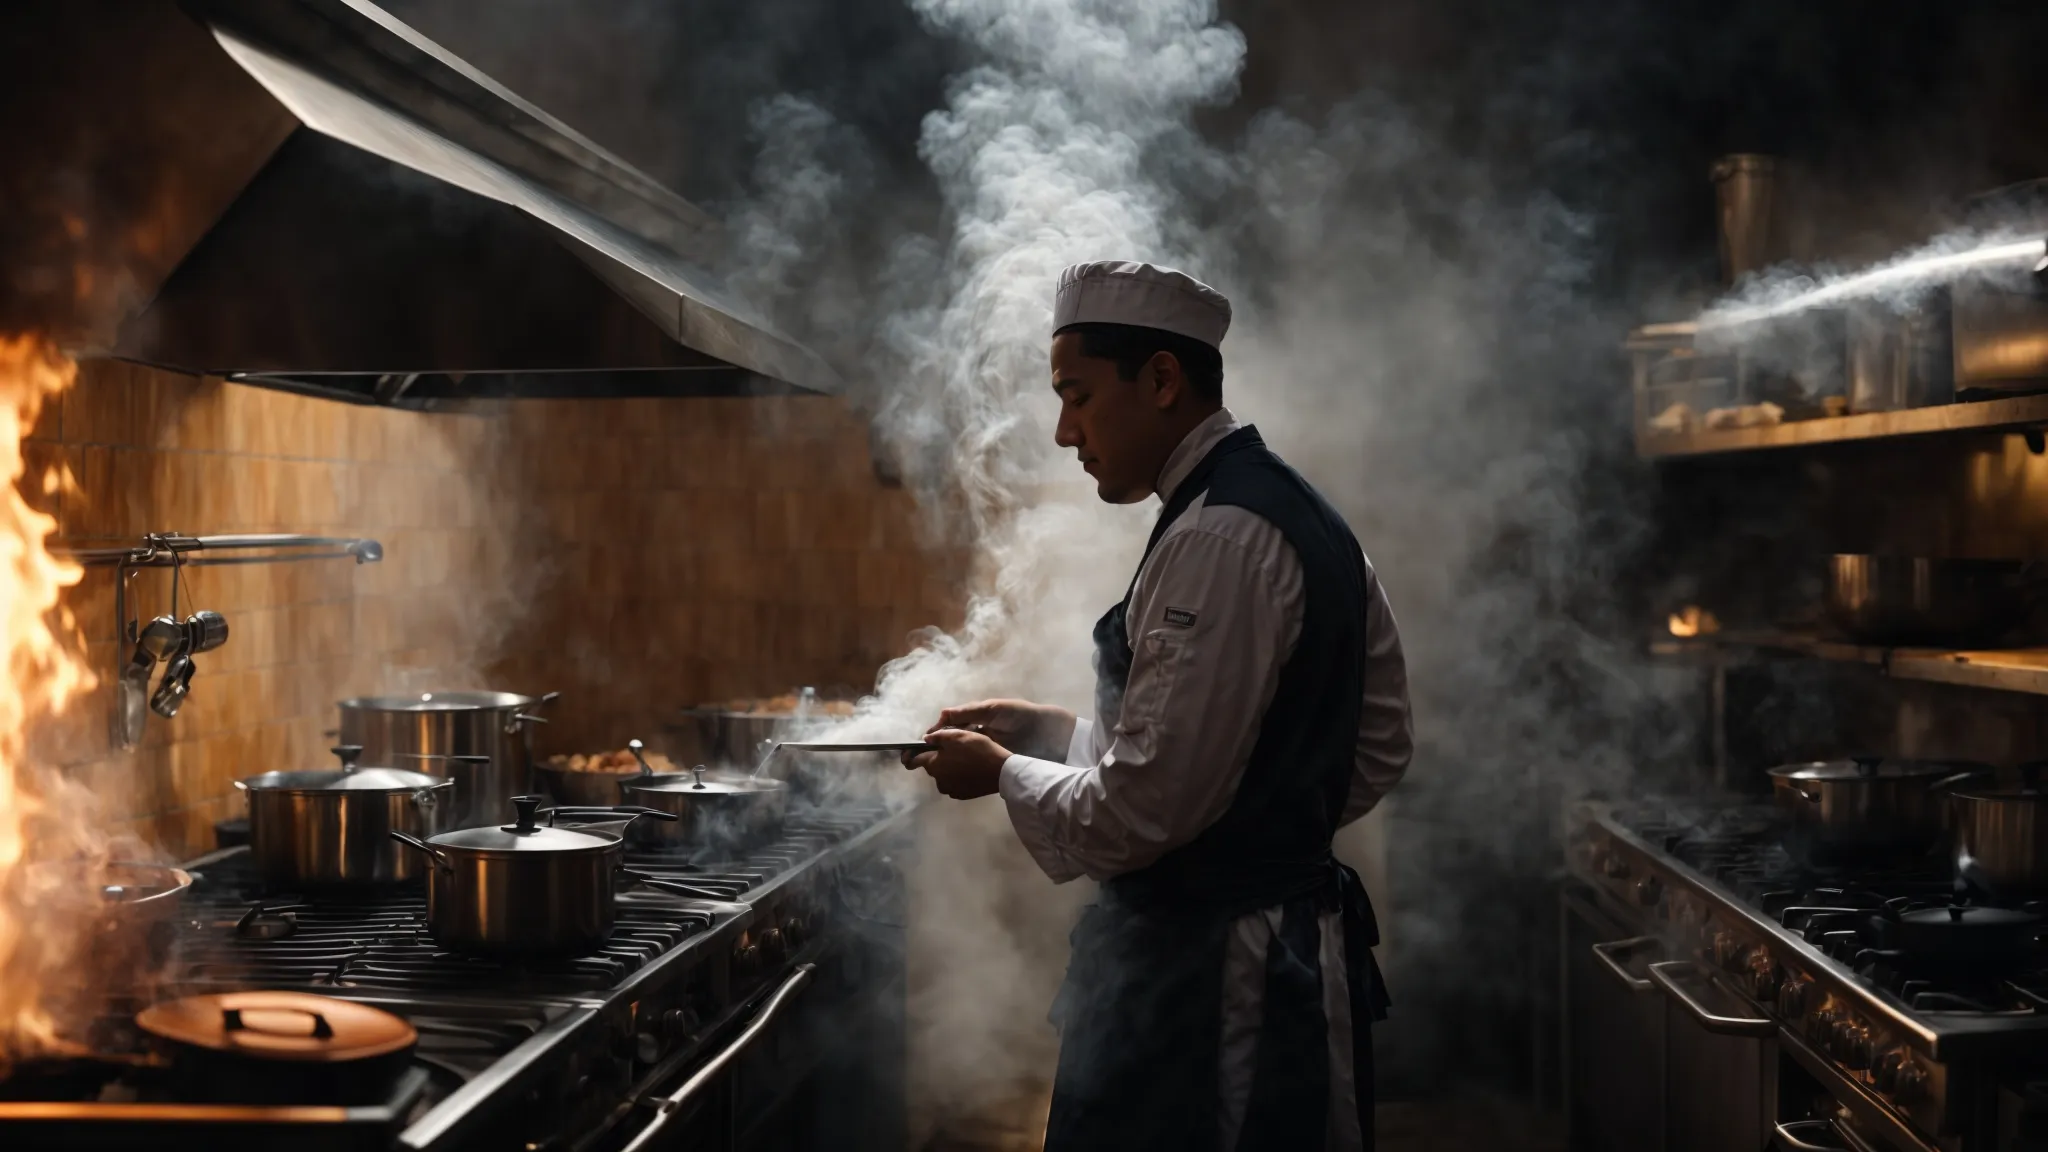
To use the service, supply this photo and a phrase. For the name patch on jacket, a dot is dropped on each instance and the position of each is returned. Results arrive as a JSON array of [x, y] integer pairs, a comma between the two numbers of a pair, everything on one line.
[[1181, 617]]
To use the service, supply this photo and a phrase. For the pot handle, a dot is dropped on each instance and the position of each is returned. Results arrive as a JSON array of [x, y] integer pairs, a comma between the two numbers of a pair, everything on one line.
[[231, 1021], [629, 811], [1950, 781], [676, 886], [424, 799], [667, 1109], [1809, 790], [439, 857]]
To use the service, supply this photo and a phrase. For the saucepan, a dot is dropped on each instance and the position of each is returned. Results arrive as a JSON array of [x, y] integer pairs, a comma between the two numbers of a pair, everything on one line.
[[529, 889], [1924, 602], [1870, 804], [2002, 835], [331, 827], [710, 811]]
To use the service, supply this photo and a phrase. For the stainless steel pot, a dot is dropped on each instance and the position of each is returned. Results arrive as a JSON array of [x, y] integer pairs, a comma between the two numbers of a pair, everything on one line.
[[710, 811], [1870, 804], [2002, 839], [2001, 312], [1911, 600], [529, 889], [496, 725], [332, 827]]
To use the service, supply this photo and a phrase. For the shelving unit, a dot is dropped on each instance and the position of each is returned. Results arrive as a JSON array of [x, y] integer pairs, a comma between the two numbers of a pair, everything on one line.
[[2018, 412], [2007, 670]]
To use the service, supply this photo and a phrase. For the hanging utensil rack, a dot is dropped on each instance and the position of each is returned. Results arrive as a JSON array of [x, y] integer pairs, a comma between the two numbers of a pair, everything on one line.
[[163, 549], [177, 551]]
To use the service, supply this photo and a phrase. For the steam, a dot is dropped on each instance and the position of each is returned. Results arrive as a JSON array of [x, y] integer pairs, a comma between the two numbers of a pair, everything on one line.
[[1893, 282], [1413, 333]]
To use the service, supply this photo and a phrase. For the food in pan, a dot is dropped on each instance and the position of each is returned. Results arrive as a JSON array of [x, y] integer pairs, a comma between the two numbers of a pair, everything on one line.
[[621, 761]]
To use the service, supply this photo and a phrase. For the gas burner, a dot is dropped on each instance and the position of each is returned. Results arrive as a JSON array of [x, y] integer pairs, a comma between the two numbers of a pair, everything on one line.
[[259, 923]]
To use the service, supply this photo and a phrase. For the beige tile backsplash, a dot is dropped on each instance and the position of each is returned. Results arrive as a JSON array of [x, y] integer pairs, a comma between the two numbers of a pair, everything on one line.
[[634, 555]]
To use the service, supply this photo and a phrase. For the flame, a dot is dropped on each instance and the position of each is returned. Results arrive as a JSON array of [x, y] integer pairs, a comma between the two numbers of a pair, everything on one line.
[[44, 674], [1693, 620]]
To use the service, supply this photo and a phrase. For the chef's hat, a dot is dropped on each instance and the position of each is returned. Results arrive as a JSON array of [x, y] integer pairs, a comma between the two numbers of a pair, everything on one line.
[[1124, 292]]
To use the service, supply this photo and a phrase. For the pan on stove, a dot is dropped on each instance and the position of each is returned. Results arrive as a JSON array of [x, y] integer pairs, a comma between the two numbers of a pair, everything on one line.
[[279, 1047]]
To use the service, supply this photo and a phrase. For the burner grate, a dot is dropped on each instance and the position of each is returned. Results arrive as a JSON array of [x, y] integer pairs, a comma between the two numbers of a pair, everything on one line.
[[1845, 909]]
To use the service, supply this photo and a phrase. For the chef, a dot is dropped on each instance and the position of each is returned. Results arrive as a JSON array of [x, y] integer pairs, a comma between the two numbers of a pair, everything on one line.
[[1251, 699]]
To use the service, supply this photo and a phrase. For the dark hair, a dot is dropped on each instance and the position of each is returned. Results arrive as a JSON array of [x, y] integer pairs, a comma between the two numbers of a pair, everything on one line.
[[1132, 347]]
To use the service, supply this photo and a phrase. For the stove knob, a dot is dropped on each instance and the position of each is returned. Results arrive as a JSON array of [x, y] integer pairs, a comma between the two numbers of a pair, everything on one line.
[[1820, 1028], [1910, 1082], [772, 948], [1727, 950], [1792, 997], [682, 1023], [793, 932], [1853, 1046], [646, 1047], [1764, 977], [1886, 1075], [1648, 891]]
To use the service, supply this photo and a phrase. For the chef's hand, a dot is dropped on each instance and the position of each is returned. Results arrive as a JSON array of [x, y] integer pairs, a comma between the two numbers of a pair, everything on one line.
[[965, 765], [1040, 730]]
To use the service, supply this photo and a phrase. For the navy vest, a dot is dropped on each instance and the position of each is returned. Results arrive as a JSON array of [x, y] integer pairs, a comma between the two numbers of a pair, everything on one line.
[[1140, 1012], [1273, 843]]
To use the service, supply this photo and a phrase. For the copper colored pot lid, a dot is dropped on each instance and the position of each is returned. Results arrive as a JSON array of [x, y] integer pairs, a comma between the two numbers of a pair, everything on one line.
[[286, 1026]]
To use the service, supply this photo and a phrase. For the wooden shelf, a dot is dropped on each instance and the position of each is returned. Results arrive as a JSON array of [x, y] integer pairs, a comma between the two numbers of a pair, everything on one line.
[[2005, 670], [1985, 415]]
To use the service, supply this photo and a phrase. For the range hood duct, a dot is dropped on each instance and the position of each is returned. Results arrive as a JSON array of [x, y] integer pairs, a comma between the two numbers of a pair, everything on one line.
[[307, 194]]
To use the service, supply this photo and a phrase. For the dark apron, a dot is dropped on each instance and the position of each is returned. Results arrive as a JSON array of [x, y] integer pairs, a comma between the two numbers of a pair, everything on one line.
[[1141, 1011]]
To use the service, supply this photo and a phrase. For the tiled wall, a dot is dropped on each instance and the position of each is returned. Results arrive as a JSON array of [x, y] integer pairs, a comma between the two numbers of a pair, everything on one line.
[[636, 556]]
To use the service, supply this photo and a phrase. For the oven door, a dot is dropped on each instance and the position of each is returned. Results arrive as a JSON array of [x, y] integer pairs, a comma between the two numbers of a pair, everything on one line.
[[1720, 1064], [1613, 1032]]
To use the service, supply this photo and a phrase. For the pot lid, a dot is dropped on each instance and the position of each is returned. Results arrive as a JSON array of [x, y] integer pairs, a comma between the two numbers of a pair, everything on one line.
[[1968, 918], [1870, 768], [697, 783], [286, 1026], [439, 702], [527, 834], [336, 780]]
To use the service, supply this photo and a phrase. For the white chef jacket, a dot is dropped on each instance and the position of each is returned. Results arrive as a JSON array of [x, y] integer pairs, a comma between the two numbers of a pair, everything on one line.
[[1193, 701]]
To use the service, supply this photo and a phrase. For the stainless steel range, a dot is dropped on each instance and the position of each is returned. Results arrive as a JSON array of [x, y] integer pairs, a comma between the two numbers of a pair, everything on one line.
[[771, 1018], [1721, 993]]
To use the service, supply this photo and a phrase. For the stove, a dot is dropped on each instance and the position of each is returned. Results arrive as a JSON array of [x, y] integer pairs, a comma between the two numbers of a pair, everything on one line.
[[532, 1055], [1921, 1037]]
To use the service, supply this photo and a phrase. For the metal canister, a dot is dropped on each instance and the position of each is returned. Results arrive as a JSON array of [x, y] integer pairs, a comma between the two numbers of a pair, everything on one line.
[[426, 730], [1745, 191]]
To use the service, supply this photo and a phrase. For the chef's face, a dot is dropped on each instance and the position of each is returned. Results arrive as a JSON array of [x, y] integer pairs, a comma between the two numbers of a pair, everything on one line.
[[1123, 430]]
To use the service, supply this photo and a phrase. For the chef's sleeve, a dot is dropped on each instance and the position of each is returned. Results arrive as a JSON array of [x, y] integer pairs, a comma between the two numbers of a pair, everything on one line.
[[1210, 629], [1386, 732]]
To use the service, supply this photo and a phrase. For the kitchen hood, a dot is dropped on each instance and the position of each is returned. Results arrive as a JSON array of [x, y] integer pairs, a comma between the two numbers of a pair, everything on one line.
[[309, 195]]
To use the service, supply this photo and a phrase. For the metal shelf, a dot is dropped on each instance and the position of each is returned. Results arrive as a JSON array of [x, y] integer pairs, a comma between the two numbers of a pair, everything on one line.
[[1985, 415], [2022, 670]]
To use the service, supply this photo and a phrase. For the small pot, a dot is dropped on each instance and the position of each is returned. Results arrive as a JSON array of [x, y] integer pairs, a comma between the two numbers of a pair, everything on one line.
[[279, 1047], [709, 811], [1963, 938], [2002, 839], [529, 889], [132, 909], [1914, 600], [1869, 804], [332, 828]]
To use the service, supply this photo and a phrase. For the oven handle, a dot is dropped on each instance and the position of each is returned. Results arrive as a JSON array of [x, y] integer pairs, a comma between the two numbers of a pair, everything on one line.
[[1790, 1140], [670, 1105], [1759, 1027], [1605, 953]]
